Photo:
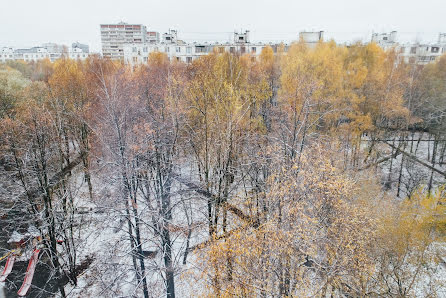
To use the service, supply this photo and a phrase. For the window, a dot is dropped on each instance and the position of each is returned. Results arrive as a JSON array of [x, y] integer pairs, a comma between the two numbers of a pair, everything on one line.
[[166, 49], [232, 50], [178, 59], [253, 49], [221, 50], [155, 49], [135, 59], [200, 49], [188, 50], [189, 59], [435, 49], [242, 50], [178, 49], [134, 50], [413, 50], [385, 38], [145, 59], [240, 38], [144, 49]]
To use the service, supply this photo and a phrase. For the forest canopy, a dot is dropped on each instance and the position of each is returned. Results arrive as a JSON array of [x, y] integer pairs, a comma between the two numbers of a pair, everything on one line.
[[312, 172]]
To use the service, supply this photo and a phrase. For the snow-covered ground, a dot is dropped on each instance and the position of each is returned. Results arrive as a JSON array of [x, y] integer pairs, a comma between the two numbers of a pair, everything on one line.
[[102, 234]]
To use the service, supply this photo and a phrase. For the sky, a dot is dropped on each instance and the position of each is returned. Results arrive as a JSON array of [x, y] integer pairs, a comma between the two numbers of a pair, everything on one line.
[[26, 23]]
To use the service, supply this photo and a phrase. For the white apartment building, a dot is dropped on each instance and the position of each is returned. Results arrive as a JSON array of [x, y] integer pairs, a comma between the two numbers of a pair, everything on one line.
[[115, 36], [6, 54], [49, 51], [176, 49], [135, 54], [420, 53], [414, 53]]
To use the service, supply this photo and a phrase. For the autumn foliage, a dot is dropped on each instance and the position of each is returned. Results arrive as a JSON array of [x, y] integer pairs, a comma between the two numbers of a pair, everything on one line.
[[274, 161]]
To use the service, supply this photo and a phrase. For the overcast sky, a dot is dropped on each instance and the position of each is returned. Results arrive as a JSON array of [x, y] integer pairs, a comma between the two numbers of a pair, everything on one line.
[[25, 23]]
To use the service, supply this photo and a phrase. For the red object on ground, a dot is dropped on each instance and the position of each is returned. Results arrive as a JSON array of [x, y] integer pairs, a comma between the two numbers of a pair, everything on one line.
[[29, 273], [8, 267]]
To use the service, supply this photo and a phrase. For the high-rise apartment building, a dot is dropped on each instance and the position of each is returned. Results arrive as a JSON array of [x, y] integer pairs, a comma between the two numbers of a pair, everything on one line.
[[152, 37], [114, 36]]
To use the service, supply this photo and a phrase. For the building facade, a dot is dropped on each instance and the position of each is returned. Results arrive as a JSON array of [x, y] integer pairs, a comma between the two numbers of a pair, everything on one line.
[[152, 37], [49, 51], [138, 52], [413, 53], [115, 36], [178, 50], [420, 53]]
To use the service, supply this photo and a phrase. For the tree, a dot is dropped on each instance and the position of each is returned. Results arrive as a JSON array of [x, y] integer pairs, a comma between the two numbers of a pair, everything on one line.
[[406, 247], [315, 239]]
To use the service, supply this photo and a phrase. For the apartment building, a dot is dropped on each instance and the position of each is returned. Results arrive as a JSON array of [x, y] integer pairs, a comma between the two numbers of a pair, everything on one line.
[[6, 54], [420, 53], [138, 53], [414, 53], [152, 37], [175, 49], [115, 36], [49, 51]]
